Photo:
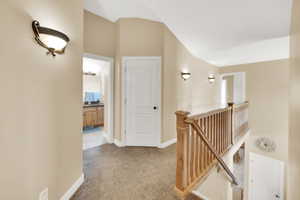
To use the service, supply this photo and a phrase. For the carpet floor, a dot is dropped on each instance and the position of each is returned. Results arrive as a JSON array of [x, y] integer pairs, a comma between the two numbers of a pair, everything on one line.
[[128, 173]]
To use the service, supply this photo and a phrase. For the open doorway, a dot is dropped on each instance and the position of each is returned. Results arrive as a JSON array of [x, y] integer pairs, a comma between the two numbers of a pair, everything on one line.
[[97, 88], [233, 88]]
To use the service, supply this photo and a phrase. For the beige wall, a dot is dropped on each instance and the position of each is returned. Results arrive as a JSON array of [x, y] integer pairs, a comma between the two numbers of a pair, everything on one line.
[[126, 37], [138, 37], [99, 35], [294, 136], [40, 122], [135, 37], [194, 94], [267, 91], [267, 86]]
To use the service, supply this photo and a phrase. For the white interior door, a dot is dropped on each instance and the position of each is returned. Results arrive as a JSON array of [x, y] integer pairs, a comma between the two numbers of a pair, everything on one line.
[[142, 101], [266, 178]]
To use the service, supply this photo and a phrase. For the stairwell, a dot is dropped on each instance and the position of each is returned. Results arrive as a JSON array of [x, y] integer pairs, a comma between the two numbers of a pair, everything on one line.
[[206, 144]]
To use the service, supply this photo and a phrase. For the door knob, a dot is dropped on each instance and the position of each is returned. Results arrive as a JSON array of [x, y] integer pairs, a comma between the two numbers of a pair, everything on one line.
[[277, 196], [154, 107]]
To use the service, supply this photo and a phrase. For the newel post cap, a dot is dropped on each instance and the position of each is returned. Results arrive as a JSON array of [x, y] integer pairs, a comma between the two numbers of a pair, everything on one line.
[[230, 104]]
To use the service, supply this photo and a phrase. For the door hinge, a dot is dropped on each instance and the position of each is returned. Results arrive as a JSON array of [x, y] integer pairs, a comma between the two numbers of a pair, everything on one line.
[[125, 101]]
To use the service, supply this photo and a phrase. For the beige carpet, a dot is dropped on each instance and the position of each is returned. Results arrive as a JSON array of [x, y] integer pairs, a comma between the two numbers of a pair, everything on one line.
[[129, 173]]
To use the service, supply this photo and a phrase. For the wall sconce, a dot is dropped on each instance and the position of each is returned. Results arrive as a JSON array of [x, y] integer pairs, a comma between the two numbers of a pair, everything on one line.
[[185, 75], [211, 78], [89, 74], [54, 41]]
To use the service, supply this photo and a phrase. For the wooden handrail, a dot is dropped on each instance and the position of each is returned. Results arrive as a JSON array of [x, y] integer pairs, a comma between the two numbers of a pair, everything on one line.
[[203, 139], [196, 116], [200, 132]]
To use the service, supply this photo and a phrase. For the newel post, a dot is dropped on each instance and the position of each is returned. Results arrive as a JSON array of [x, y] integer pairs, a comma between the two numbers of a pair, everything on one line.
[[181, 149], [231, 105]]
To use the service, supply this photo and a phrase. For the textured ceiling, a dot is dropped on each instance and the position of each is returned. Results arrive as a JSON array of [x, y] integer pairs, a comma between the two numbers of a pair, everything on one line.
[[213, 30]]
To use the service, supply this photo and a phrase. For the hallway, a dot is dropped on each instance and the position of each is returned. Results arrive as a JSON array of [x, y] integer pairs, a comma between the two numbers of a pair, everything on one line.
[[128, 173]]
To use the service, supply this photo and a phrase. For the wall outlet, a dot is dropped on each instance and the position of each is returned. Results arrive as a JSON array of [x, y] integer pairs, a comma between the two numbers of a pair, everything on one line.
[[44, 194]]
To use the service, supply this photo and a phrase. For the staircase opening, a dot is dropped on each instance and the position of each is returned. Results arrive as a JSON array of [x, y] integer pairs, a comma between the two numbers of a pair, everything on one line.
[[203, 140]]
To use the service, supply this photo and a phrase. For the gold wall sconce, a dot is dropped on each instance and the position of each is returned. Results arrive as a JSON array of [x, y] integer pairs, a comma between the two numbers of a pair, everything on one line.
[[52, 40], [211, 78], [185, 75]]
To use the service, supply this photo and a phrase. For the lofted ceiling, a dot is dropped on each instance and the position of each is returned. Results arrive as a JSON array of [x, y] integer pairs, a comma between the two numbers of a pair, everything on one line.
[[220, 32]]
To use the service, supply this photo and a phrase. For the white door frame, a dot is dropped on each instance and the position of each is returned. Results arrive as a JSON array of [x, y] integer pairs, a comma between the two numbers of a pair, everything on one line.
[[124, 93], [241, 75], [110, 104]]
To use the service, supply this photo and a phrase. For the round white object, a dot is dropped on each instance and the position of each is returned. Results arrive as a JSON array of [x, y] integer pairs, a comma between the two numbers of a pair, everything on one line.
[[266, 144]]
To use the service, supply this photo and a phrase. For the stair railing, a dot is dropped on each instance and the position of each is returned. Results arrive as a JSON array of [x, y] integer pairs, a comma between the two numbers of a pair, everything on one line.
[[202, 140], [239, 120]]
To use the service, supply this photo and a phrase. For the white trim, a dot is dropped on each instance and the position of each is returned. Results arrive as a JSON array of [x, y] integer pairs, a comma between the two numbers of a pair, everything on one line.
[[93, 144], [123, 97], [110, 104], [123, 93], [198, 194], [140, 57], [107, 138], [223, 92], [236, 86], [93, 56], [118, 143], [167, 143], [73, 188]]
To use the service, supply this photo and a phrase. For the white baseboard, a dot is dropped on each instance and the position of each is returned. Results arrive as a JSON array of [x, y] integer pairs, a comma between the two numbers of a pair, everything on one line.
[[167, 143], [91, 144], [162, 145], [73, 188], [119, 143], [108, 139]]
